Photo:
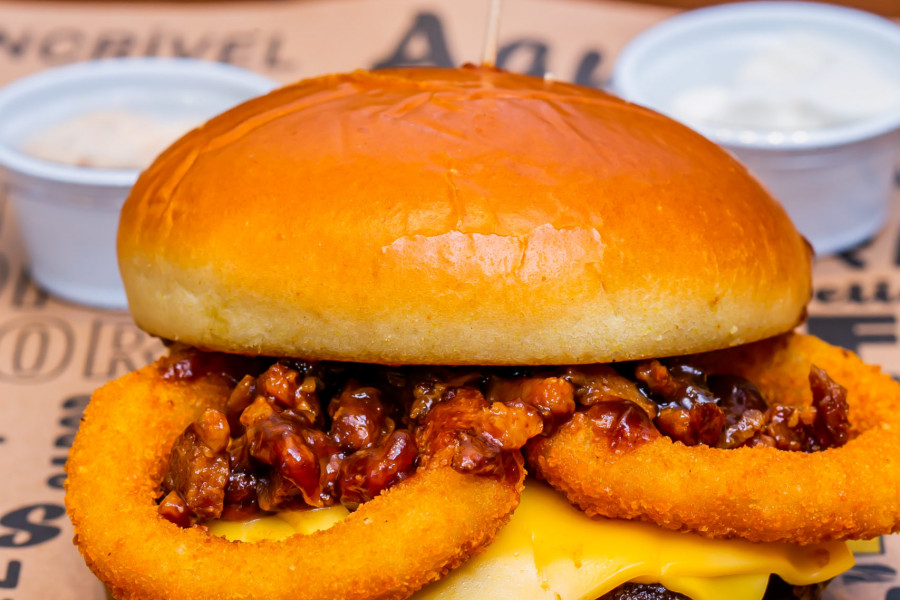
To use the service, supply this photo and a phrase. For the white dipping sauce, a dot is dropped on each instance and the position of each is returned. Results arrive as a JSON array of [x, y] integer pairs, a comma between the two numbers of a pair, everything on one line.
[[800, 82], [109, 139]]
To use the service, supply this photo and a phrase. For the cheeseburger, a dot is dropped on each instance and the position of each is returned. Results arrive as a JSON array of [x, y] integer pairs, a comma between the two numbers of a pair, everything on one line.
[[467, 334]]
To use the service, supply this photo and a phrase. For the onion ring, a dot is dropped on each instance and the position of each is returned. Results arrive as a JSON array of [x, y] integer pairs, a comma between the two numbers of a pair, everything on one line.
[[758, 494], [412, 534]]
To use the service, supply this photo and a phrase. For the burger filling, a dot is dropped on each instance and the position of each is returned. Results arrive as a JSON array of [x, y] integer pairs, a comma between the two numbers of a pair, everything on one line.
[[778, 590], [557, 551], [296, 434]]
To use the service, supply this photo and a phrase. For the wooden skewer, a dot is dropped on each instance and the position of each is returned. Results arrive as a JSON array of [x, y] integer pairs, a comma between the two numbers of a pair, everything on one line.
[[489, 56]]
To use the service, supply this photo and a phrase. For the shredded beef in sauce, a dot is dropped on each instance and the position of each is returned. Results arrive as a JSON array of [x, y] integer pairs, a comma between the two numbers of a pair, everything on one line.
[[727, 411], [272, 446]]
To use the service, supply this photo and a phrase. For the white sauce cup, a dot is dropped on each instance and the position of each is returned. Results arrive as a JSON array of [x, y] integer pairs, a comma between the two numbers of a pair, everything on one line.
[[834, 181], [68, 214]]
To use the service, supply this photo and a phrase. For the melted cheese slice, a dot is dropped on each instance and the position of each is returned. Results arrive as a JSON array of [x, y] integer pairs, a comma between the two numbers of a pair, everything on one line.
[[552, 551], [279, 525]]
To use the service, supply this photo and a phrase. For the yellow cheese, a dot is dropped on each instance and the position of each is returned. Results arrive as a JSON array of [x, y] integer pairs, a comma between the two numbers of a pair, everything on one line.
[[552, 551], [873, 546], [280, 525]]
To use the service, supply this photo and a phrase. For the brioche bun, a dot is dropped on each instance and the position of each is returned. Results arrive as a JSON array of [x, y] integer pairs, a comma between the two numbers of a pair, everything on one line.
[[456, 216]]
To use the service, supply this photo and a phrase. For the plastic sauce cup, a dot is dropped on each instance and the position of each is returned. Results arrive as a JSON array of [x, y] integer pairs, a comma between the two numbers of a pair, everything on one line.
[[834, 181], [68, 214]]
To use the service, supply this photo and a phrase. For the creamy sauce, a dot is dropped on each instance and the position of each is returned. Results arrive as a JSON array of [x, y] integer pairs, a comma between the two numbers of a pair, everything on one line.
[[800, 82], [110, 139]]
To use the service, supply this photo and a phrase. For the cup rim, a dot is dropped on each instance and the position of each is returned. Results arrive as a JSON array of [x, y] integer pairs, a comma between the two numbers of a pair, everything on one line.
[[693, 22], [107, 70]]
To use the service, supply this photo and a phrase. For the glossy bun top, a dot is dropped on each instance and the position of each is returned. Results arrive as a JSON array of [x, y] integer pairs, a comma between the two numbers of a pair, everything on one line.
[[456, 216]]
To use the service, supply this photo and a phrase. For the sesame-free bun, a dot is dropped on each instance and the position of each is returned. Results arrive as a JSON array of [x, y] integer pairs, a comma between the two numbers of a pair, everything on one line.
[[456, 216]]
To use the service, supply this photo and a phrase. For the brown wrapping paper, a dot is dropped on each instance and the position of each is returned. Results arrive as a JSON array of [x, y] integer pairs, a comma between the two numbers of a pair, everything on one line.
[[53, 354]]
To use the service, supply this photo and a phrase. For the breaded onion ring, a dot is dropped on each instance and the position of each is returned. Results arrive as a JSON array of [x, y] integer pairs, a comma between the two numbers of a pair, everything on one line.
[[758, 494], [408, 536]]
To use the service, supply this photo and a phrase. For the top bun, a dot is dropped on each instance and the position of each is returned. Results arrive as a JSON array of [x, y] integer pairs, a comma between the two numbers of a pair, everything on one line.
[[456, 216]]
